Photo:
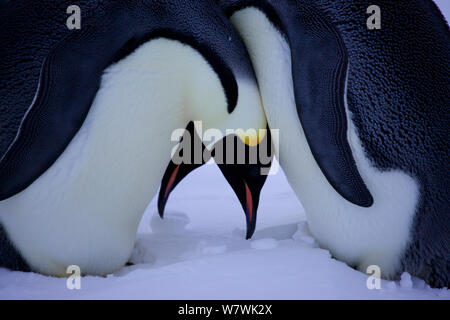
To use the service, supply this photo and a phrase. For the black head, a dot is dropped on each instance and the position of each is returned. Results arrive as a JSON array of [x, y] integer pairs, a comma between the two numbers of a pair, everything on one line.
[[244, 167]]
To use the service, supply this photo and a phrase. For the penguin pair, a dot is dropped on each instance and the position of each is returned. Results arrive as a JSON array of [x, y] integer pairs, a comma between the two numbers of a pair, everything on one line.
[[86, 118], [363, 119], [364, 124]]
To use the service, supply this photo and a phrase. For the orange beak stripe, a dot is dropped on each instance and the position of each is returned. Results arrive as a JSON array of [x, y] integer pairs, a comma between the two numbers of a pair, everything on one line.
[[249, 200], [171, 181]]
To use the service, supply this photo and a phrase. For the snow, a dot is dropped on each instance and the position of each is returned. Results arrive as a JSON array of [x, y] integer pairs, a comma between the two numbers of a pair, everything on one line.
[[444, 5], [199, 251], [264, 244]]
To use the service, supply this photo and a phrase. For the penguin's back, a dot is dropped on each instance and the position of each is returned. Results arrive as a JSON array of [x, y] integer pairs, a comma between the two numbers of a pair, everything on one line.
[[398, 94], [28, 32]]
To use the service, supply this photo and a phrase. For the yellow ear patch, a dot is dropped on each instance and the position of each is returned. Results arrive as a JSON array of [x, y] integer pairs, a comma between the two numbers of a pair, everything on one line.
[[251, 137]]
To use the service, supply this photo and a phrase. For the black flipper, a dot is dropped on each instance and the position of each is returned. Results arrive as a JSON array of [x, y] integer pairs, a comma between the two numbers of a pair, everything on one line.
[[320, 64], [319, 67], [67, 87]]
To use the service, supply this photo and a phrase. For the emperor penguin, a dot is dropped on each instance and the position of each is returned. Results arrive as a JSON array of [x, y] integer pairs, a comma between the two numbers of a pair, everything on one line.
[[363, 114], [87, 115]]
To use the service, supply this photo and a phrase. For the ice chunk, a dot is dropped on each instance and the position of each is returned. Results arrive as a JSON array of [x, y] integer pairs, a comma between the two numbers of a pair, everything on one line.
[[264, 244]]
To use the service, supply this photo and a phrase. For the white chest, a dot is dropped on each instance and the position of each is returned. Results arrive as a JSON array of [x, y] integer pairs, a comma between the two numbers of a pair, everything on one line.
[[86, 208], [358, 236]]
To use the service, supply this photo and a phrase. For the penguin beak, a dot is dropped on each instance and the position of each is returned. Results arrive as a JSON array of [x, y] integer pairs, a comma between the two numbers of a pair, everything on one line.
[[175, 173], [247, 183], [246, 179], [173, 176]]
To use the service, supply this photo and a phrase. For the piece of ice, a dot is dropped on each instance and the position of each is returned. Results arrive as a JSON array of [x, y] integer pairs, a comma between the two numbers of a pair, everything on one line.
[[172, 222], [406, 281], [264, 244]]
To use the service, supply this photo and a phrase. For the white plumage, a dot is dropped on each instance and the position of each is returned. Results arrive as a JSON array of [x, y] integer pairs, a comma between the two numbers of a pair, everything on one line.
[[359, 236], [86, 208]]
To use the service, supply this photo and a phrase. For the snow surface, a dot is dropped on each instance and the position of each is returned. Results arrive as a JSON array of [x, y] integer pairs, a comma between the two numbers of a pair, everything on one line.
[[199, 252]]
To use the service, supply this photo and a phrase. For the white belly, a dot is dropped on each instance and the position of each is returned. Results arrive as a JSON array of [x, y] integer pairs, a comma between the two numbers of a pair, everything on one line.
[[86, 208], [358, 236]]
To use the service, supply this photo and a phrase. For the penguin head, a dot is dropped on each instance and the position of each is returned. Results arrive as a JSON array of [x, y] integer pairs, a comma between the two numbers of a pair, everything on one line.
[[220, 99], [246, 173], [244, 167], [224, 109]]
